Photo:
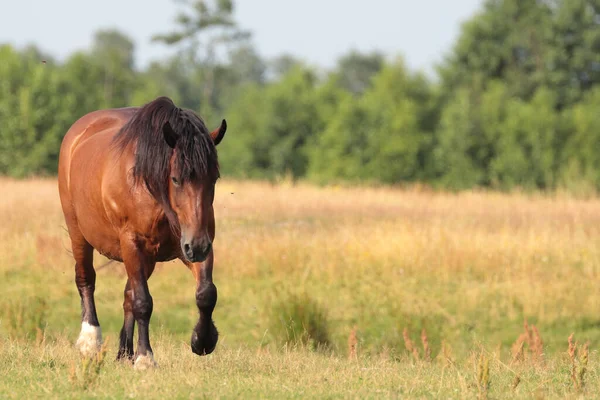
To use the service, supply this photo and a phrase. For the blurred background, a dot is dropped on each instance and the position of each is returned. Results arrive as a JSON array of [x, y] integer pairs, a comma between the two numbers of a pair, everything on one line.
[[499, 93]]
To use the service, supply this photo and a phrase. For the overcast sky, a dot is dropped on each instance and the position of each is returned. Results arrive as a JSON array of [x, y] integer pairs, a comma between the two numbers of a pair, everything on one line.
[[318, 31]]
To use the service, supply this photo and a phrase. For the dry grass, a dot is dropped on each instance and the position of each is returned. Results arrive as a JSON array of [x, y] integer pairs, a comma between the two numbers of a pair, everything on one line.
[[464, 270]]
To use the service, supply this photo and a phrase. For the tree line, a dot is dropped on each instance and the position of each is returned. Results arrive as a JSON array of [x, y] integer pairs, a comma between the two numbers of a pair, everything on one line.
[[515, 103]]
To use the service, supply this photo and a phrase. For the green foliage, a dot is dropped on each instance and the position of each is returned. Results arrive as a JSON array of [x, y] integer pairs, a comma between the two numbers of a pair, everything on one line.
[[356, 70], [341, 149], [457, 156], [25, 319], [515, 104], [299, 320], [246, 155], [395, 135], [574, 50], [580, 158], [527, 143], [291, 123], [33, 116]]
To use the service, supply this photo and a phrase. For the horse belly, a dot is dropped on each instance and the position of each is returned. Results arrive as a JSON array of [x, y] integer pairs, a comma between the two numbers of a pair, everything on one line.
[[96, 229], [106, 244]]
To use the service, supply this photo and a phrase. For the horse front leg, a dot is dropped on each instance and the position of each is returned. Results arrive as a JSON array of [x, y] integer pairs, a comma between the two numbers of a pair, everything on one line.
[[126, 335], [139, 267], [205, 334]]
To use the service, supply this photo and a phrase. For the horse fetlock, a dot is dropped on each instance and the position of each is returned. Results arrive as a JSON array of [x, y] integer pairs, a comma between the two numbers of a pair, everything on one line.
[[206, 297], [89, 340], [124, 353], [126, 343]]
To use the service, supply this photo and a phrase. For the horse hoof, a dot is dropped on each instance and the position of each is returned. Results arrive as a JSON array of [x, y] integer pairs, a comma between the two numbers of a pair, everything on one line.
[[144, 362], [204, 343], [90, 340]]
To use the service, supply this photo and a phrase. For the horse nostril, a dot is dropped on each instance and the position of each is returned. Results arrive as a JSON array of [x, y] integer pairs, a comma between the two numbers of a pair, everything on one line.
[[187, 248]]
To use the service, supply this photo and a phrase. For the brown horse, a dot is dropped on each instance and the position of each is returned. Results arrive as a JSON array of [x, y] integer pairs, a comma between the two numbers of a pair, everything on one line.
[[137, 184]]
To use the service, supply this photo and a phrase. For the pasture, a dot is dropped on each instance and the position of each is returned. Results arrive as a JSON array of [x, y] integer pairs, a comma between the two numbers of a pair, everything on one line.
[[401, 293]]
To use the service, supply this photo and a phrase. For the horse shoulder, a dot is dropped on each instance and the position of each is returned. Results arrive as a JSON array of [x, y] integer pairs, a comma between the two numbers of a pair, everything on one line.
[[130, 208]]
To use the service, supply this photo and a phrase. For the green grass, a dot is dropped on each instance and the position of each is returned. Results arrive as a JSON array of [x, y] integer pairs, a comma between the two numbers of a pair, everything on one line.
[[31, 370], [310, 265]]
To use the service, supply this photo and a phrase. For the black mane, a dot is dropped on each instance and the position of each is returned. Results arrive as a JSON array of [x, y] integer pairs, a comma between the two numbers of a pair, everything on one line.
[[196, 152]]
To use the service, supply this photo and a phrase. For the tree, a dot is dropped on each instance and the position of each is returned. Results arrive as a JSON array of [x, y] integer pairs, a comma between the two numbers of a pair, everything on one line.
[[114, 53], [505, 41], [356, 70], [165, 79], [205, 27], [32, 113], [526, 151], [291, 123], [574, 50], [580, 160], [456, 154], [397, 134], [342, 149], [246, 65], [281, 65], [247, 156], [381, 136]]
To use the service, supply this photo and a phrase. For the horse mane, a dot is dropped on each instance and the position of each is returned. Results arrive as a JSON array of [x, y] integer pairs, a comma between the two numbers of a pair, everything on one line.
[[196, 156]]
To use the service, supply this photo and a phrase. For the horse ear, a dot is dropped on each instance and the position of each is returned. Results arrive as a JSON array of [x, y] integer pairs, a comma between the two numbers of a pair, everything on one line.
[[217, 134], [171, 136]]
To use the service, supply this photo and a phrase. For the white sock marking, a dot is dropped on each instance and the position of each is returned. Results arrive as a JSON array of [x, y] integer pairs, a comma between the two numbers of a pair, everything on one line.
[[144, 362], [90, 339]]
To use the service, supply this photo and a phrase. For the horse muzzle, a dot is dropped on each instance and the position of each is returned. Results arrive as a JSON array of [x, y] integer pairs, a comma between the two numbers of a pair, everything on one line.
[[196, 251]]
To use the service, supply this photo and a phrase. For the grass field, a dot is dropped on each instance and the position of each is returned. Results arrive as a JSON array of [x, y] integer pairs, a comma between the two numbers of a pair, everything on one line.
[[401, 293]]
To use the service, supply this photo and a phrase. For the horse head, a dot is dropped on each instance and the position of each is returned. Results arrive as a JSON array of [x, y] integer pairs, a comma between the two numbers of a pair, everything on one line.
[[192, 188]]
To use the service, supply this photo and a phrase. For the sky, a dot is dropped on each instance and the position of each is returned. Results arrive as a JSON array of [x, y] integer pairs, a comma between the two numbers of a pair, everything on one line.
[[317, 31]]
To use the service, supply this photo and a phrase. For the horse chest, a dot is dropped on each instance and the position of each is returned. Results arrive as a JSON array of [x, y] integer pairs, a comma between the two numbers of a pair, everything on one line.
[[159, 247]]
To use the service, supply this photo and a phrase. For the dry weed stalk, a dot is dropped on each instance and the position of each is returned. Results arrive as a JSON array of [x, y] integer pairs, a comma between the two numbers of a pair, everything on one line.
[[516, 382], [483, 375], [572, 356], [89, 369], [352, 343], [426, 348], [535, 345], [446, 353], [583, 367], [40, 336], [579, 358], [518, 348], [409, 344]]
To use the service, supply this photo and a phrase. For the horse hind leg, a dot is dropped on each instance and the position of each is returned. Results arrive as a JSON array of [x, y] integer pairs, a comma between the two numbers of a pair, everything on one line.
[[90, 337], [126, 336]]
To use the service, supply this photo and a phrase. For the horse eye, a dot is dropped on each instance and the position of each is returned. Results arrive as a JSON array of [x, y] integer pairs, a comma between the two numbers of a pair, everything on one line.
[[175, 181]]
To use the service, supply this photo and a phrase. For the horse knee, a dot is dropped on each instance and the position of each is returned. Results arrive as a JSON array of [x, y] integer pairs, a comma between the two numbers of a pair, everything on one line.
[[206, 297], [85, 277], [142, 307]]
